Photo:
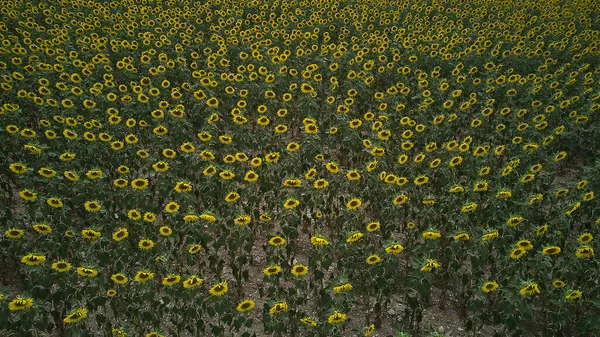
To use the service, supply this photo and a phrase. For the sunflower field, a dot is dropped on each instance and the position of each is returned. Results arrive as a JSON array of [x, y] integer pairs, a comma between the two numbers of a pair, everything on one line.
[[299, 167]]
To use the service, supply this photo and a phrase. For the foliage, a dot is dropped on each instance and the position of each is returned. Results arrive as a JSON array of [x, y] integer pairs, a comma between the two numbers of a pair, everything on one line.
[[238, 168]]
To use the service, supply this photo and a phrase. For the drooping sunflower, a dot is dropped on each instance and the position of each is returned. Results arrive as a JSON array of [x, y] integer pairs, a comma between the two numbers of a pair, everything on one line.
[[530, 288], [354, 237], [342, 288], [430, 265], [87, 272], [42, 228], [91, 234], [336, 317], [171, 280], [573, 295], [278, 307], [394, 248], [319, 241], [308, 321], [191, 282], [20, 303], [33, 259], [585, 252]]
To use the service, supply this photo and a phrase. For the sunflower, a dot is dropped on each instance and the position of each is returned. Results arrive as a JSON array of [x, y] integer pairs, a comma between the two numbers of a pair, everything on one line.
[[291, 203], [585, 252], [46, 172], [573, 295], [120, 234], [278, 307], [277, 241], [145, 244], [299, 270], [20, 303], [87, 272], [354, 237], [430, 265], [119, 278], [42, 228], [191, 282], [92, 206], [319, 241], [353, 204], [111, 292], [524, 244], [183, 187], [373, 259], [171, 207], [332, 167], [530, 288], [557, 284], [585, 238], [308, 321], [517, 253], [165, 231], [91, 234], [171, 280], [134, 214], [160, 166], [373, 226], [232, 196], [336, 317], [18, 168], [515, 221], [54, 202], [394, 248], [194, 249], [143, 276], [219, 289], [462, 237], [489, 287], [245, 305], [76, 316], [139, 184], [272, 270], [401, 199], [14, 233], [33, 259], [431, 235]]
